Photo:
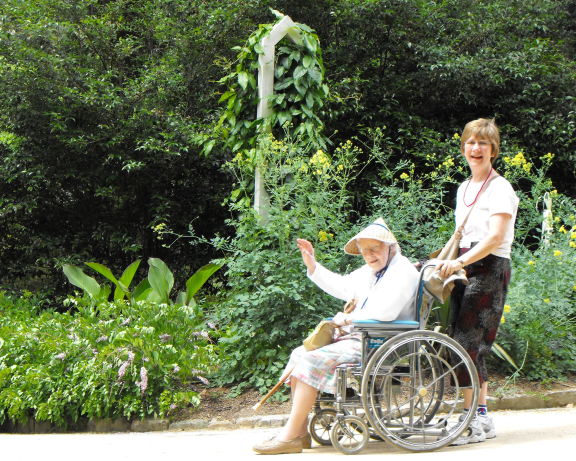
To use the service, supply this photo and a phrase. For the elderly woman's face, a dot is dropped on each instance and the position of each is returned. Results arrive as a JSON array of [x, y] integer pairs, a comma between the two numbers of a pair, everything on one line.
[[374, 252]]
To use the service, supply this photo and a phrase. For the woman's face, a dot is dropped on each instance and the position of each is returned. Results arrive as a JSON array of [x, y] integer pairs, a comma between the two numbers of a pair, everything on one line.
[[478, 152], [374, 252]]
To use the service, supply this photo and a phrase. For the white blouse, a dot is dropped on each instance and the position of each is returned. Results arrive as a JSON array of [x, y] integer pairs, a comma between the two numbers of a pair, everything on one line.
[[389, 298], [498, 197]]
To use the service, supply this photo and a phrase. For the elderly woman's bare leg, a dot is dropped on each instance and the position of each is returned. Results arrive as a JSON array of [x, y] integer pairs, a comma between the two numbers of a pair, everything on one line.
[[303, 398]]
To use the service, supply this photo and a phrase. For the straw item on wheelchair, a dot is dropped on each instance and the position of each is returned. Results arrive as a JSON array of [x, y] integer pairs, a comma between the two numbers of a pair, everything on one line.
[[323, 334]]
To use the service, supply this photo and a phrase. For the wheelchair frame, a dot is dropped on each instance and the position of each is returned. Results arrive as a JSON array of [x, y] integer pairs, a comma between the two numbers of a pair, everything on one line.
[[405, 391]]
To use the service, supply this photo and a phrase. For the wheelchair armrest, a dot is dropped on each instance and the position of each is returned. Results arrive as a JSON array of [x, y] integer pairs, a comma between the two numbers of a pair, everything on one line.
[[375, 327]]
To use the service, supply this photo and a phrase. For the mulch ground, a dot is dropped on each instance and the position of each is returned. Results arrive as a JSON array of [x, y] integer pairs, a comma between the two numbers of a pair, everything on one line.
[[217, 402]]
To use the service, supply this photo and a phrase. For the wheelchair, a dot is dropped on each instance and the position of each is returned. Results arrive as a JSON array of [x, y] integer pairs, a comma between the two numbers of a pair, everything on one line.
[[407, 389]]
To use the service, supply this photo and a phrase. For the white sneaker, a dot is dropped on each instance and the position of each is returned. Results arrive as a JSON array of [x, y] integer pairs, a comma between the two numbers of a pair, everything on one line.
[[487, 425], [473, 434]]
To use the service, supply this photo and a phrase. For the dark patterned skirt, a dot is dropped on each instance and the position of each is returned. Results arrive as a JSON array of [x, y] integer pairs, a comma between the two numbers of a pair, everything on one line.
[[476, 310]]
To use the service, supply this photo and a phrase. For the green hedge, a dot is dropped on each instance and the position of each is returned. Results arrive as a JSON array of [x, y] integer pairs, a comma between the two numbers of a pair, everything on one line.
[[110, 361]]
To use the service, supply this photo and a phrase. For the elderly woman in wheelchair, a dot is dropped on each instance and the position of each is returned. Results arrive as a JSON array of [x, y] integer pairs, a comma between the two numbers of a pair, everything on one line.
[[389, 377]]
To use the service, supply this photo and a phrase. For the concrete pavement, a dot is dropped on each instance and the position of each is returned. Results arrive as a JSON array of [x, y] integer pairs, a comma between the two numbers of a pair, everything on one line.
[[528, 434]]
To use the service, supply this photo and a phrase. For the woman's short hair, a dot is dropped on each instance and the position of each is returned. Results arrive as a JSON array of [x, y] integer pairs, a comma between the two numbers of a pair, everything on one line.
[[483, 128]]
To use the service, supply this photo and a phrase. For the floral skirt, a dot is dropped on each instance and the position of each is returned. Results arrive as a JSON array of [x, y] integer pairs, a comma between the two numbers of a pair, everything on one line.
[[476, 310], [317, 368]]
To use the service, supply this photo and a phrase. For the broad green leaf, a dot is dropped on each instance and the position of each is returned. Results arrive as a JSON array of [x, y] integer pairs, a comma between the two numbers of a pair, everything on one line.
[[284, 84], [284, 117], [129, 272], [194, 283], [299, 72], [243, 79], [226, 95], [123, 285], [315, 75], [181, 298], [104, 293], [142, 290], [161, 278], [307, 61], [310, 99], [101, 269], [78, 278]]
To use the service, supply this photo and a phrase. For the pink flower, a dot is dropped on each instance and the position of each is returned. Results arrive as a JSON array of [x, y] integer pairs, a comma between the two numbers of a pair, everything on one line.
[[122, 370], [143, 383]]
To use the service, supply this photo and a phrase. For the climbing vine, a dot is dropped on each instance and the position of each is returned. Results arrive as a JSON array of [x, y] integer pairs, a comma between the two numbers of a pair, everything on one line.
[[299, 91]]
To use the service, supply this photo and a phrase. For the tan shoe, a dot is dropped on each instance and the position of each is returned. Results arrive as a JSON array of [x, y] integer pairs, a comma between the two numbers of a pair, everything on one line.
[[306, 441], [278, 447]]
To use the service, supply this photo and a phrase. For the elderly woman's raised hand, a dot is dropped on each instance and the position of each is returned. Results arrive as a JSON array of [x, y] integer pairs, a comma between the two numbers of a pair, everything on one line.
[[307, 251]]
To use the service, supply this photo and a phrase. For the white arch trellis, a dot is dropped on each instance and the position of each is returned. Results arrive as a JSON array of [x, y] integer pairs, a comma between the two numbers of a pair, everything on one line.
[[285, 27]]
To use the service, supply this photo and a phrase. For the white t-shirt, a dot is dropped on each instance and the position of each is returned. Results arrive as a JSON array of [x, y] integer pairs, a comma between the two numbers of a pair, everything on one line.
[[389, 298], [498, 197]]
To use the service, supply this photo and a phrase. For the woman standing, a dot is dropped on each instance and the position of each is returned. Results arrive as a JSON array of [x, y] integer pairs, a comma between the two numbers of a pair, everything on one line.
[[476, 309]]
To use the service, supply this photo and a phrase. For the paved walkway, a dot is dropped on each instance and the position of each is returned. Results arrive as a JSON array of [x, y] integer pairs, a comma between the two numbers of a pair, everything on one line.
[[528, 434]]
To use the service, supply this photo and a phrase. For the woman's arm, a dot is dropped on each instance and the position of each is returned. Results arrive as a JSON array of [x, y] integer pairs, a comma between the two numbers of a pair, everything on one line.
[[307, 252], [497, 226]]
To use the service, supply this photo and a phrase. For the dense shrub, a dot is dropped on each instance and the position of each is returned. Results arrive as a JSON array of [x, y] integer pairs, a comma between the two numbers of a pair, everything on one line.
[[115, 360], [269, 305], [106, 106]]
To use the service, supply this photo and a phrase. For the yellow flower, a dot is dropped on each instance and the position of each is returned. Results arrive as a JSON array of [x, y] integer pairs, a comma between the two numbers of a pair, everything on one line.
[[320, 161], [449, 162], [323, 236], [554, 193], [507, 308], [574, 287], [456, 136], [340, 167], [562, 229], [547, 300], [531, 263], [557, 253], [404, 176], [572, 244], [503, 319], [573, 235]]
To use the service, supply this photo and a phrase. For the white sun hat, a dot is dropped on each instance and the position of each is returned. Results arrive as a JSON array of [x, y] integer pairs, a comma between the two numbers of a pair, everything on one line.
[[378, 230]]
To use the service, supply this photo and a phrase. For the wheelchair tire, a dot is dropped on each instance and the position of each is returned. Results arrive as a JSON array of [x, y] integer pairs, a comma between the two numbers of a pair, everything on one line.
[[417, 409], [349, 434], [321, 424]]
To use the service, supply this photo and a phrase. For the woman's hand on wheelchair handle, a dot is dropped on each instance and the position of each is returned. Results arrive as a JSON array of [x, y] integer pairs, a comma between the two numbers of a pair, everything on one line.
[[447, 267]]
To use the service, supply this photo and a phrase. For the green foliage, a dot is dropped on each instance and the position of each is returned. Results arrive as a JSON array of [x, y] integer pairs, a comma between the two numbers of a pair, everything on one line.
[[540, 316], [299, 91], [106, 106], [131, 360], [101, 109], [155, 288], [268, 304]]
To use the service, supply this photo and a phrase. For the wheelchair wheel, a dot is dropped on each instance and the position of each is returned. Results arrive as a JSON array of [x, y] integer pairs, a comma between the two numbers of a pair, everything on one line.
[[321, 424], [349, 434], [413, 389]]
